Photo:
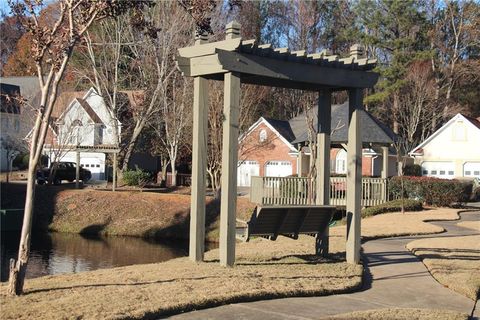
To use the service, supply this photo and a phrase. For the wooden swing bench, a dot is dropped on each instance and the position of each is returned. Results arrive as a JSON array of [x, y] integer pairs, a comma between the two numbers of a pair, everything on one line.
[[287, 220]]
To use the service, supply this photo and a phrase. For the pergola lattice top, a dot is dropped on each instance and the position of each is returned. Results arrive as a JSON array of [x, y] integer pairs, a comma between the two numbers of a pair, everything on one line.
[[264, 65]]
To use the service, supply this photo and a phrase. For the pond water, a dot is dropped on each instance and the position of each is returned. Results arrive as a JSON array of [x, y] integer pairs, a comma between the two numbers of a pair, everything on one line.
[[53, 253]]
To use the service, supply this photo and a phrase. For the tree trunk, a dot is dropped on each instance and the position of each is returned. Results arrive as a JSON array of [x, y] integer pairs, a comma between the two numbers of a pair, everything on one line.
[[131, 144], [18, 269], [174, 172]]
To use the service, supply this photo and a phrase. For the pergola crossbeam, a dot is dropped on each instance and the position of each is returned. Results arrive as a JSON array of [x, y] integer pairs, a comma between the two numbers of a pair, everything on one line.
[[274, 69]]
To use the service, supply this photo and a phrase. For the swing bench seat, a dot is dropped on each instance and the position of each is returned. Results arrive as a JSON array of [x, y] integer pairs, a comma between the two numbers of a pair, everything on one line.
[[286, 220]]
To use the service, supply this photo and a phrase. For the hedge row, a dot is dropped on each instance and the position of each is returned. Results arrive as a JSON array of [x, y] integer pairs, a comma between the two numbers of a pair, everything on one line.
[[393, 206], [431, 191]]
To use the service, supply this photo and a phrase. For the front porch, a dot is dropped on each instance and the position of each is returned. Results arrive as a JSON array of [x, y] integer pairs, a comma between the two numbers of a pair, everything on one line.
[[301, 191]]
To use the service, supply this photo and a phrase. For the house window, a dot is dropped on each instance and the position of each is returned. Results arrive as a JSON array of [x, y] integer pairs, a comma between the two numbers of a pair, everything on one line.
[[468, 173], [341, 162], [263, 135], [476, 173], [425, 172], [450, 173], [442, 172], [77, 123]]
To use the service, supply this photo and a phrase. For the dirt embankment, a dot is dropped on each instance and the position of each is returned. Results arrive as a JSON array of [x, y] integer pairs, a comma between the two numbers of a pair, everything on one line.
[[128, 213]]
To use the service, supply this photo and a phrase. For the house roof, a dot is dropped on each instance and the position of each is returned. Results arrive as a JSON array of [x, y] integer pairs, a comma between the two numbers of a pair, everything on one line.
[[283, 128], [280, 128], [64, 100], [474, 121], [92, 114], [373, 131], [134, 97]]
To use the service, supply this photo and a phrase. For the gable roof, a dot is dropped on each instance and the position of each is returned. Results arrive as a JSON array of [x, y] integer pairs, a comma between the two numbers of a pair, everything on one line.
[[373, 131], [283, 128], [472, 121], [91, 113], [280, 128]]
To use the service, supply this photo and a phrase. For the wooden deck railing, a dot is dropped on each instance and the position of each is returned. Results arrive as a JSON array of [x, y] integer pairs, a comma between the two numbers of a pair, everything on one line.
[[301, 191]]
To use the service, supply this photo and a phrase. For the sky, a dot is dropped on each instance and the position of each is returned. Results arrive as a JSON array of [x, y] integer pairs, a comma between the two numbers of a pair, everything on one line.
[[4, 6]]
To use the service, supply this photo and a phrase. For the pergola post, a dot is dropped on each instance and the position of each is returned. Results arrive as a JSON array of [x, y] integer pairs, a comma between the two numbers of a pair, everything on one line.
[[229, 169], [114, 172], [231, 110], [77, 170], [322, 164], [199, 164], [385, 162], [354, 176], [385, 173], [300, 161]]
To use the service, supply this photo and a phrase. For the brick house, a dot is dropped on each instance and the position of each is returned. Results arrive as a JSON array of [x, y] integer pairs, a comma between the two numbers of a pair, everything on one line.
[[280, 148]]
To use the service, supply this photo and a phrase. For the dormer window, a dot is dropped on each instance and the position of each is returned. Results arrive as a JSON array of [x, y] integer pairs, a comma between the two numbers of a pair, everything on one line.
[[263, 135]]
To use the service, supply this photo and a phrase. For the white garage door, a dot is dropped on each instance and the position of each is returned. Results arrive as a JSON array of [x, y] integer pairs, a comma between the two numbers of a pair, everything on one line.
[[96, 167], [278, 168], [247, 169], [438, 169], [90, 161], [471, 169]]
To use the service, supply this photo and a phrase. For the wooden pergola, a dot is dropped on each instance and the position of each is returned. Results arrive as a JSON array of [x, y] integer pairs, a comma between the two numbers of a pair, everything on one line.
[[237, 61]]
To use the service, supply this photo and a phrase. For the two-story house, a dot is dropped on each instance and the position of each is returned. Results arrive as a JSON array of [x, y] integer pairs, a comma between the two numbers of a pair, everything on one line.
[[85, 124], [453, 151]]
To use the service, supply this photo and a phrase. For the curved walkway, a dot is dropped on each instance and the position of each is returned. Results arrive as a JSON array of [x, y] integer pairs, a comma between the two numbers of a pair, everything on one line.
[[394, 278]]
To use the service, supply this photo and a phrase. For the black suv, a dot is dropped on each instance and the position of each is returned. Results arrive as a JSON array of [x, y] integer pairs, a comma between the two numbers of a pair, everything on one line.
[[62, 171]]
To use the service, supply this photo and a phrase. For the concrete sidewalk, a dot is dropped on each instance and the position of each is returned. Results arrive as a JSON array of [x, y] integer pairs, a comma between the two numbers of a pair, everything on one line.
[[394, 278]]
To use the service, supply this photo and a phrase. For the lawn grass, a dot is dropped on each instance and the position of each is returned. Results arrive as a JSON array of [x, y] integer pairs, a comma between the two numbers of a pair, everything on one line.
[[264, 270], [400, 224], [452, 261], [401, 314]]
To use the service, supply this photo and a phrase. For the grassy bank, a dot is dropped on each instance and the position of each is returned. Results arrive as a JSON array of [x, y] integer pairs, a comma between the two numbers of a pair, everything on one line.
[[402, 224], [264, 270], [127, 213]]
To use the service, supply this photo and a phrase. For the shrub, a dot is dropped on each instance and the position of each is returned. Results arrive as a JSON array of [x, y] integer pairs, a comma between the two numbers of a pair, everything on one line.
[[413, 170], [393, 206], [136, 177], [18, 162], [431, 191]]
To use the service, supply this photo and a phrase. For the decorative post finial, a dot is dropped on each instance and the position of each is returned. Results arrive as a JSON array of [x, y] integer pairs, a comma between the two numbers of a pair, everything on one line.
[[357, 51], [232, 30], [201, 37]]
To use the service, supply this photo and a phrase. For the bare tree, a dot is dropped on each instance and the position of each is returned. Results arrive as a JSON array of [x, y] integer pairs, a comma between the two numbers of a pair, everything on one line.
[[52, 47], [454, 33], [12, 146]]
